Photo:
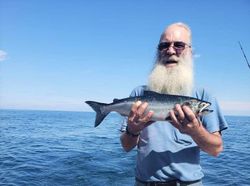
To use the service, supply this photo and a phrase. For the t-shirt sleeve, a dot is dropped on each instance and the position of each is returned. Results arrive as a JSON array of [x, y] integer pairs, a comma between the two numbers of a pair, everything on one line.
[[214, 121]]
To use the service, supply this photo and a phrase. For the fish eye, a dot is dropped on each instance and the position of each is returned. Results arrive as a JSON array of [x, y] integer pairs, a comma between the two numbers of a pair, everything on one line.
[[202, 104]]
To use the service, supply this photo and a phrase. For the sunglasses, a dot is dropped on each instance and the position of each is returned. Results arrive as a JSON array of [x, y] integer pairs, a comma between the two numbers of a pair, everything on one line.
[[179, 46]]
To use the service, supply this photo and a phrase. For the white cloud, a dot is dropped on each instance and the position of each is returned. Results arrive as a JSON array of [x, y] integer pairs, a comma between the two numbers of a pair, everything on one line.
[[196, 56], [3, 55]]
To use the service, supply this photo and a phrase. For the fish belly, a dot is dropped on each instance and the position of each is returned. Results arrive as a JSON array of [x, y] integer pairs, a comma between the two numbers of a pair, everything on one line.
[[161, 111]]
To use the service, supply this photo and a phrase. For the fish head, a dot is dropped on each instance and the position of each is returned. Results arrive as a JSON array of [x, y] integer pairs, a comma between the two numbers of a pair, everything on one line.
[[199, 107], [203, 105]]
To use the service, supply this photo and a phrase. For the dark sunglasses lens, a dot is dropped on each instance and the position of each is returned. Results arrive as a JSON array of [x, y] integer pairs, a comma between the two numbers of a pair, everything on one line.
[[179, 45], [164, 45]]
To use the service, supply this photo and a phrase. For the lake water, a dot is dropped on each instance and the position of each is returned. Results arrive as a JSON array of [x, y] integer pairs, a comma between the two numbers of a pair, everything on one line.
[[63, 148]]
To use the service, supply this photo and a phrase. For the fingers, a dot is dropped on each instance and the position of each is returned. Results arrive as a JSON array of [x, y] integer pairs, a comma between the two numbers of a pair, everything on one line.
[[132, 115], [174, 119], [183, 113], [141, 110], [180, 113], [189, 114], [137, 110], [147, 119], [177, 116], [184, 119], [138, 114]]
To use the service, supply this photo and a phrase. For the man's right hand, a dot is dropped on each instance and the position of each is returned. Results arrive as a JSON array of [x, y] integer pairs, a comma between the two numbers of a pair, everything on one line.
[[138, 118]]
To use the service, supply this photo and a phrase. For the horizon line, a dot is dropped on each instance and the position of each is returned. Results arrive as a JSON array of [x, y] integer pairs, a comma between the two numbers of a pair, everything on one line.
[[55, 110]]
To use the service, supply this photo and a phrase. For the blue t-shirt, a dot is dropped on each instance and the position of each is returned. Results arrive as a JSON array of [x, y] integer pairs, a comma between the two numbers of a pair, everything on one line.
[[163, 153]]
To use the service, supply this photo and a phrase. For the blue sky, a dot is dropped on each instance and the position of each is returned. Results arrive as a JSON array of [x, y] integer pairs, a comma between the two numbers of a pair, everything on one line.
[[54, 55]]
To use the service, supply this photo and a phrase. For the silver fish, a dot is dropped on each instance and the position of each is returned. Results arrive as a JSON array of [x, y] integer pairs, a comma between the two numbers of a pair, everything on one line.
[[161, 104]]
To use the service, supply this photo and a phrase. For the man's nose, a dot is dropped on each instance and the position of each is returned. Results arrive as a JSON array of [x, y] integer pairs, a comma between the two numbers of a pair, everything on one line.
[[171, 50]]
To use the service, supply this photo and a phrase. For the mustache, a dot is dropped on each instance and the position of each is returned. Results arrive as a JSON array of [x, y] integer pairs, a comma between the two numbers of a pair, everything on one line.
[[163, 59]]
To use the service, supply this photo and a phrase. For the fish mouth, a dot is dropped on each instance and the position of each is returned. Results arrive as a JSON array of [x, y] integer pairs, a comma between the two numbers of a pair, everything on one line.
[[204, 109], [204, 106]]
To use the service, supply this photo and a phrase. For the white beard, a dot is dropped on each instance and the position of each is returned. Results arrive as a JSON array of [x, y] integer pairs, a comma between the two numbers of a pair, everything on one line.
[[176, 80]]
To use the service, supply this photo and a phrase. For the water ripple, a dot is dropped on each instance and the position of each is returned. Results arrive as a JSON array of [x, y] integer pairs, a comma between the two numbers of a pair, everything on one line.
[[63, 148]]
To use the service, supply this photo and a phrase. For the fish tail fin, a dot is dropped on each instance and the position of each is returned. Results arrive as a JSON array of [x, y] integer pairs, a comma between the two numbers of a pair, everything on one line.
[[97, 107]]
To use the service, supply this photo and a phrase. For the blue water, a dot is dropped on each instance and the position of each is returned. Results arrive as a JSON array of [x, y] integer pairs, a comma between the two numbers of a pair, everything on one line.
[[63, 148]]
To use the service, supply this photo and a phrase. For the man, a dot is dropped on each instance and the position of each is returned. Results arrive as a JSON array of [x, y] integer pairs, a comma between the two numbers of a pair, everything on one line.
[[169, 153]]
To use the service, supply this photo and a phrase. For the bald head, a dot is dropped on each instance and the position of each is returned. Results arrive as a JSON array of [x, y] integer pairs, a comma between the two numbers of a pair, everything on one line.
[[177, 32], [175, 43]]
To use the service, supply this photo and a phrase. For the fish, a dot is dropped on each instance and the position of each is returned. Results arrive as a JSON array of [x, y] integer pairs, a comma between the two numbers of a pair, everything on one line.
[[159, 103]]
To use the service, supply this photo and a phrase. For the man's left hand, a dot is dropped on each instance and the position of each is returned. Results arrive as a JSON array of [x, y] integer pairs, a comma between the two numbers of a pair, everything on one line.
[[184, 119]]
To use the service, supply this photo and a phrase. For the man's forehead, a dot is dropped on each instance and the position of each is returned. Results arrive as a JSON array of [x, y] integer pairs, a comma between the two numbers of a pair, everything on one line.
[[176, 33]]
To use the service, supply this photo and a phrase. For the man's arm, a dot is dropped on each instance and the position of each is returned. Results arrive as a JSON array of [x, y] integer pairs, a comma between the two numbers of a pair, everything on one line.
[[128, 142], [208, 142], [185, 120]]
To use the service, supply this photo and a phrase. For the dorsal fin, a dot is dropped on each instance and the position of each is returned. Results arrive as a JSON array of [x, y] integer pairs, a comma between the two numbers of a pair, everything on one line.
[[115, 100], [151, 93]]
